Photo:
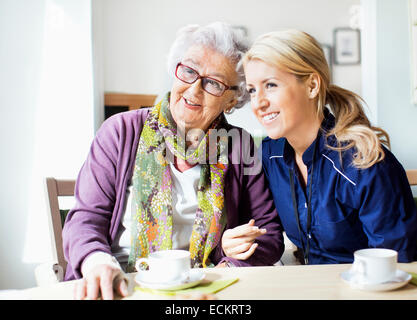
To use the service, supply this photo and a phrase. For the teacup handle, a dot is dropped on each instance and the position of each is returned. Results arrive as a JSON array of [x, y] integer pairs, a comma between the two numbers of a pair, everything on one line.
[[139, 262], [360, 267]]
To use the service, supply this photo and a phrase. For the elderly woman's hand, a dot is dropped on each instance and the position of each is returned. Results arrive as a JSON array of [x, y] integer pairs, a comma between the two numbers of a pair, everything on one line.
[[102, 278], [239, 242]]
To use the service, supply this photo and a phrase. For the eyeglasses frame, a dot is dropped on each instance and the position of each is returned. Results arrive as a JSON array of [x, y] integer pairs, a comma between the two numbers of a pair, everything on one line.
[[201, 77]]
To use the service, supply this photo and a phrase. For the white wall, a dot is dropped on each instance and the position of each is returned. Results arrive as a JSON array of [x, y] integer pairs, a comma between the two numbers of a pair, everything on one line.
[[369, 58], [47, 121], [396, 112], [21, 25], [136, 36]]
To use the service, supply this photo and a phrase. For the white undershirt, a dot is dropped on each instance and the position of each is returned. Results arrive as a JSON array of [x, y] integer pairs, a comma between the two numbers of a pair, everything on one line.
[[184, 205]]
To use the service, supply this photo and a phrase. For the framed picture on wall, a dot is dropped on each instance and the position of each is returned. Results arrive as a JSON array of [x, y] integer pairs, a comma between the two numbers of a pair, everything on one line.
[[347, 46], [327, 49]]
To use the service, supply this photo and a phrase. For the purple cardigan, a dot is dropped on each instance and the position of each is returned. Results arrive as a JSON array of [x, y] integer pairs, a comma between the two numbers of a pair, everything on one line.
[[101, 187]]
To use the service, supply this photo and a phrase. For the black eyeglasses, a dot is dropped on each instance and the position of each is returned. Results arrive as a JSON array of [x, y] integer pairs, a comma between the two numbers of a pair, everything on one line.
[[210, 85]]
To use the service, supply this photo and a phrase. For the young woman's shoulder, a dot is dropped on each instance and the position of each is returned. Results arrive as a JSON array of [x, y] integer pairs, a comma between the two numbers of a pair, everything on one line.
[[390, 165], [387, 171]]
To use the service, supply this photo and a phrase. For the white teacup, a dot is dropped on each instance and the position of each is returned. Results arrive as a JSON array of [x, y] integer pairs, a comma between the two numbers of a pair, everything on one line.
[[165, 265], [374, 265]]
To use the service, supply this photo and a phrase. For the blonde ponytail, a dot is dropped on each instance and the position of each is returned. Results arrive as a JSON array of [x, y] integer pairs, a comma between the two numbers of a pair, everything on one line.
[[353, 129]]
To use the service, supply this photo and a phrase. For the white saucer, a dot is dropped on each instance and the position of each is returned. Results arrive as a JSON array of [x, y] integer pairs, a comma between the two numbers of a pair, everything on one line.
[[194, 277], [400, 280]]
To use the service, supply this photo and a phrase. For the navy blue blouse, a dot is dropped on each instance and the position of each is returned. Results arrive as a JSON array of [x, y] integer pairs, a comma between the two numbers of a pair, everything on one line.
[[351, 208]]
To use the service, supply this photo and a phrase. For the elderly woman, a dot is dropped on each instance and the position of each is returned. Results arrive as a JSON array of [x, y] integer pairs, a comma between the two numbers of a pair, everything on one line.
[[150, 183]]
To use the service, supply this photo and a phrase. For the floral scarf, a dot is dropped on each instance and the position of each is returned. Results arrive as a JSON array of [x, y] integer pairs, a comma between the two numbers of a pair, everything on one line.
[[152, 185]]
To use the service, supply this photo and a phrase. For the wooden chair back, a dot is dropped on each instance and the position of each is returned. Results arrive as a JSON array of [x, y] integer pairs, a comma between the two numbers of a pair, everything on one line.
[[412, 176], [133, 101], [56, 188], [120, 102]]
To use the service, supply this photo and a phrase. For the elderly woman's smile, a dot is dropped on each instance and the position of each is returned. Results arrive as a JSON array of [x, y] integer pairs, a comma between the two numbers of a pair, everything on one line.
[[192, 106]]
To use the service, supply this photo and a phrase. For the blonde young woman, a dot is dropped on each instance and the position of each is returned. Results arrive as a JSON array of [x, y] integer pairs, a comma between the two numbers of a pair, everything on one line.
[[336, 187]]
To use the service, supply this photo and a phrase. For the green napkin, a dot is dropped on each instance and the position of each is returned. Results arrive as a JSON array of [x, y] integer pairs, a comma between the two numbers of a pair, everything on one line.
[[413, 278], [204, 287]]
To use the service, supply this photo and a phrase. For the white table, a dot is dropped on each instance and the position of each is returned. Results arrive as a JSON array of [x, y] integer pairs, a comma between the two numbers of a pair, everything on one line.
[[296, 282]]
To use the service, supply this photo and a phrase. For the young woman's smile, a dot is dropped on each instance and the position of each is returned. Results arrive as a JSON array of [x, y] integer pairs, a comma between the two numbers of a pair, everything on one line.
[[279, 100]]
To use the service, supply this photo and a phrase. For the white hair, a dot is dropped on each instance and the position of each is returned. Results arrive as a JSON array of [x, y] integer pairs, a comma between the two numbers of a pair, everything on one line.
[[219, 36]]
